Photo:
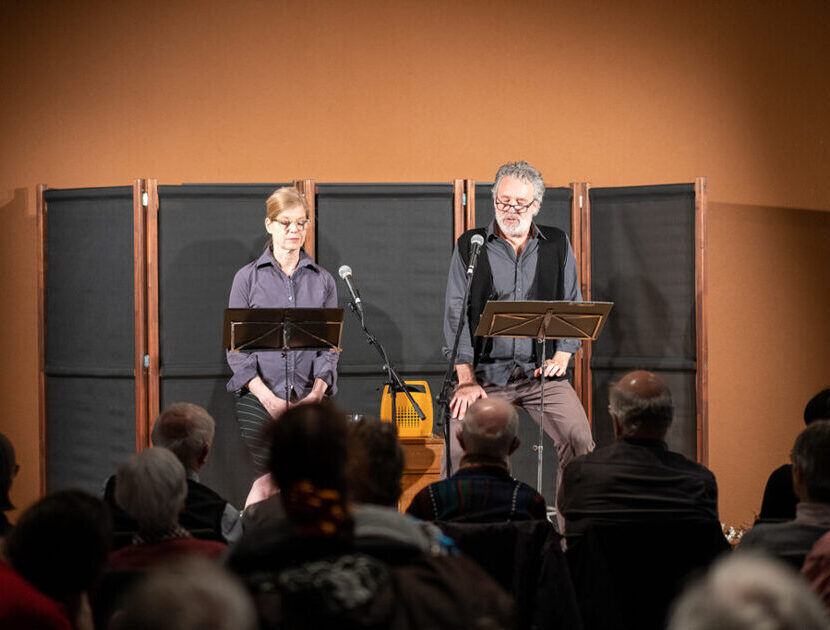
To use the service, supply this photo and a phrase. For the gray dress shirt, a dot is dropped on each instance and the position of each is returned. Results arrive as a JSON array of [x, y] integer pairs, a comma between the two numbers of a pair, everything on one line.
[[512, 280], [263, 284]]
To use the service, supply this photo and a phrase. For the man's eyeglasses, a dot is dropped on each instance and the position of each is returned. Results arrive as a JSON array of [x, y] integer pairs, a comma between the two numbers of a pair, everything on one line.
[[501, 206], [300, 224]]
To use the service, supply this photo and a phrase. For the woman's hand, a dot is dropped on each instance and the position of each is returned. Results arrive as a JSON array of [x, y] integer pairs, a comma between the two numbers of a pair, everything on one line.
[[274, 405], [316, 394]]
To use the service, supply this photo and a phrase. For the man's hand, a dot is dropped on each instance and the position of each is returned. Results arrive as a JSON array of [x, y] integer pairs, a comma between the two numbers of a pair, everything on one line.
[[557, 366], [465, 395]]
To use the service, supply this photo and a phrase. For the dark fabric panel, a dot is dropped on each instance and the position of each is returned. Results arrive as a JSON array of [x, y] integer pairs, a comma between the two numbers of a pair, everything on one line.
[[228, 470], [89, 296], [643, 260], [206, 233], [91, 430], [397, 238], [682, 436], [555, 210], [642, 257]]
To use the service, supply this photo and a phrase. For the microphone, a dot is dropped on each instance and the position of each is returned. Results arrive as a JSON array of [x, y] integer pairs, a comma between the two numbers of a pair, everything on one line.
[[475, 247], [345, 272]]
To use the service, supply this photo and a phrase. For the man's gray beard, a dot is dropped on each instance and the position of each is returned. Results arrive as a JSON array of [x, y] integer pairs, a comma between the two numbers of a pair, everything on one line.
[[519, 230]]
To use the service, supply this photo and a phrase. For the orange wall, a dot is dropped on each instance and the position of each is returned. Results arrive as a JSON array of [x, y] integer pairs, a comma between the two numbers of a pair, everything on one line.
[[97, 94]]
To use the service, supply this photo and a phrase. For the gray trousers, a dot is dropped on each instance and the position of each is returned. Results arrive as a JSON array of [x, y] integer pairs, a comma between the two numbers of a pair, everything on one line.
[[564, 421]]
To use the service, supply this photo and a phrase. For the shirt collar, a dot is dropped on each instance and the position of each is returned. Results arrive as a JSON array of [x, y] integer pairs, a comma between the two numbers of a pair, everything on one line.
[[534, 231], [267, 258]]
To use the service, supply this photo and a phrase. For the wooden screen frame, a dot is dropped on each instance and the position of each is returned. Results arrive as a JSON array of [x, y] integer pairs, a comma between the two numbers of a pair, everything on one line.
[[42, 226], [153, 369], [308, 188], [581, 242], [140, 312], [701, 321], [464, 207]]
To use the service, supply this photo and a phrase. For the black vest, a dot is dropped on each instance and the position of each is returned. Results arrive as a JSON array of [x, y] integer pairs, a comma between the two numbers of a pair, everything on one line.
[[548, 283]]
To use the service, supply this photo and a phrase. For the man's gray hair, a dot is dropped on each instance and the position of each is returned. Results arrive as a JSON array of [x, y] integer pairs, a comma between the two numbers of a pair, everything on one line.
[[635, 412], [186, 429], [746, 592], [479, 441], [151, 487], [192, 594], [811, 457], [521, 170]]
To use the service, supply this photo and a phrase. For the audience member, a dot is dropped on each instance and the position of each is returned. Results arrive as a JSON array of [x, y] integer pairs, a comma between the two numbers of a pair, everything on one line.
[[748, 592], [187, 430], [374, 471], [56, 554], [792, 540], [8, 470], [307, 571], [151, 487], [817, 569], [482, 490], [637, 479], [779, 499], [194, 594]]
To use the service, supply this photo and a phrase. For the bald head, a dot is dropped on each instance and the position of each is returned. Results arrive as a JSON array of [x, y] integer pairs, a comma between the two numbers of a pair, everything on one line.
[[490, 428], [641, 406]]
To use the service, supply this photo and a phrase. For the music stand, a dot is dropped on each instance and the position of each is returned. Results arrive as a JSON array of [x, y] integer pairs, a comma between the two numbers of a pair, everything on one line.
[[543, 321], [284, 329]]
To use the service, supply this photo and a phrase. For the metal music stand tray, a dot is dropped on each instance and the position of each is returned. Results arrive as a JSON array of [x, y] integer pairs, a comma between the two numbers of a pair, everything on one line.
[[543, 321], [284, 329]]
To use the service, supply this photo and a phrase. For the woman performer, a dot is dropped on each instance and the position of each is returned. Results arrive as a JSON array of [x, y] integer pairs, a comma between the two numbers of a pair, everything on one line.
[[284, 276]]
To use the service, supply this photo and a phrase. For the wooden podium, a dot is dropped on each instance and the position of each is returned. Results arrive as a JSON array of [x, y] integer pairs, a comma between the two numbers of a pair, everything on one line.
[[422, 465]]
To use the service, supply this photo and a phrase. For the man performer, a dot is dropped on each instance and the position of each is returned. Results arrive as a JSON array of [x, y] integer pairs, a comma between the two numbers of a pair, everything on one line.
[[518, 261]]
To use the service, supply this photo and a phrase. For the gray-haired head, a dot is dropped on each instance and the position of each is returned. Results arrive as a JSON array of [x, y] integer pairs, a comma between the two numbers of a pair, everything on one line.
[[193, 594], [746, 591], [489, 428], [187, 430], [641, 404], [524, 171], [811, 461], [151, 487]]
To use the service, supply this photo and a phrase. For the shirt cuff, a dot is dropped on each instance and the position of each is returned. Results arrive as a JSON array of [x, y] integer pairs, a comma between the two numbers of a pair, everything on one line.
[[568, 345], [244, 369]]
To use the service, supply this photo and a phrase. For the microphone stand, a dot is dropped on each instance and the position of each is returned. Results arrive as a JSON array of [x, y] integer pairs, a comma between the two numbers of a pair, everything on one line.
[[392, 378], [446, 387]]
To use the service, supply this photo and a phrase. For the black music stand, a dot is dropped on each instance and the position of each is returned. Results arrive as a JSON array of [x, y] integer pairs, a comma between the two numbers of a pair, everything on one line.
[[284, 329], [543, 321]]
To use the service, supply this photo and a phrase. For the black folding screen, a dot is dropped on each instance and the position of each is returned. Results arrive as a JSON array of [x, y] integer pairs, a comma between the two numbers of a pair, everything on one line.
[[205, 234], [397, 238], [643, 260], [89, 350]]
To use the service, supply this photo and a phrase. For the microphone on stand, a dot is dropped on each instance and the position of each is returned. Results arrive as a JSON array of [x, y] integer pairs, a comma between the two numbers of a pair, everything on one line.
[[475, 248], [345, 272]]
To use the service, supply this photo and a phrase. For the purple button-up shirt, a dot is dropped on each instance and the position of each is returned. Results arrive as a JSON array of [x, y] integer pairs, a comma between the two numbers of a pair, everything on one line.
[[262, 284]]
